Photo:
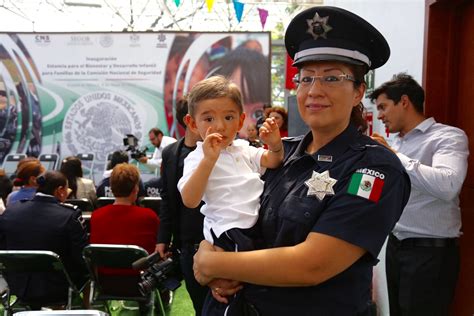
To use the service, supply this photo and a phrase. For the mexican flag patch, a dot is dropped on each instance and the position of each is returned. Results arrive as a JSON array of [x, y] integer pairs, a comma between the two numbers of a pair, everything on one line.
[[365, 185]]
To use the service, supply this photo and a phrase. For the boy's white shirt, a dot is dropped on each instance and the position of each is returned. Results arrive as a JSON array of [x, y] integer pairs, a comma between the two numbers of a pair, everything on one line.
[[232, 194]]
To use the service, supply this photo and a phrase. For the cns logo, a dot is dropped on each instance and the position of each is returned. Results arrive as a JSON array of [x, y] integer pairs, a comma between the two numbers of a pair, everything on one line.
[[42, 40]]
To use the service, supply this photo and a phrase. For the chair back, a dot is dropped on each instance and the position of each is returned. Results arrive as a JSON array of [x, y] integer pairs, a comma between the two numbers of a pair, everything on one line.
[[49, 161], [31, 261], [83, 204], [10, 163], [113, 256], [87, 161], [118, 283], [107, 286], [103, 201], [152, 203]]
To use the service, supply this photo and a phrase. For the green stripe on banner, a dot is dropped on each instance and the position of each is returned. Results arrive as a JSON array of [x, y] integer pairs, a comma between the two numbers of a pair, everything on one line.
[[355, 182]]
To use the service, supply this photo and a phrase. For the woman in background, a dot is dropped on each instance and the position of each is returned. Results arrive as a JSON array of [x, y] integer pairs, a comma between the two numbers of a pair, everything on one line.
[[280, 116], [81, 188], [26, 172]]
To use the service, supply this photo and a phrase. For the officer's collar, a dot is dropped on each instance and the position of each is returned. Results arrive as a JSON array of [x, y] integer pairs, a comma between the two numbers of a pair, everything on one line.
[[331, 151], [44, 197]]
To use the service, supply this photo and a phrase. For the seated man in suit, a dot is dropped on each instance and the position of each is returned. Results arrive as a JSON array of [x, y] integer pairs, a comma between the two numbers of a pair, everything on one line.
[[43, 223], [124, 223]]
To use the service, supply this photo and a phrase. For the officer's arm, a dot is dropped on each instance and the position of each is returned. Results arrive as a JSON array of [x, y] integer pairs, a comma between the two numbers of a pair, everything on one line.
[[317, 259], [77, 236]]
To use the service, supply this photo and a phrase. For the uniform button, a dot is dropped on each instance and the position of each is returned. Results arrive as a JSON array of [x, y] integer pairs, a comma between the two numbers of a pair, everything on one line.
[[307, 214]]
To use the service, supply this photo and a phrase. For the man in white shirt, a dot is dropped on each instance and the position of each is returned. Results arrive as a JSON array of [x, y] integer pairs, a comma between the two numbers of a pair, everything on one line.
[[160, 141], [422, 258]]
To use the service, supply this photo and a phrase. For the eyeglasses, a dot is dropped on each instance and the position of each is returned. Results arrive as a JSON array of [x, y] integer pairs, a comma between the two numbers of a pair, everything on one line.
[[326, 81]]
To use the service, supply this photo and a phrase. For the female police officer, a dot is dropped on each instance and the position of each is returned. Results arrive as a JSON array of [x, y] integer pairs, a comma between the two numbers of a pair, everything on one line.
[[327, 211]]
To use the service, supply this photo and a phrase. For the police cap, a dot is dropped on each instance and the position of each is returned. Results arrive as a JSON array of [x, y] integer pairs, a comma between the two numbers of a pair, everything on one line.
[[330, 33]]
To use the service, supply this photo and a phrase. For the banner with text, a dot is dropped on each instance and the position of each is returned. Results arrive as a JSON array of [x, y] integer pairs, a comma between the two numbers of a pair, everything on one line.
[[73, 93]]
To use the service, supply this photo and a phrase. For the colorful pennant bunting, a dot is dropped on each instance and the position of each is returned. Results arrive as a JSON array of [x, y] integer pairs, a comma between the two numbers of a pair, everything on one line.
[[263, 16], [239, 9]]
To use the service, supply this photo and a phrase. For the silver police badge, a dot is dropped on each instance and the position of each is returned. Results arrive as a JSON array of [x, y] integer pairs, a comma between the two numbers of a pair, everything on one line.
[[320, 185], [318, 26]]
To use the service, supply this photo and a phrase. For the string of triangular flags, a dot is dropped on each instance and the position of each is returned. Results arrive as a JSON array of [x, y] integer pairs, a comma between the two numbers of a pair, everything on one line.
[[239, 9]]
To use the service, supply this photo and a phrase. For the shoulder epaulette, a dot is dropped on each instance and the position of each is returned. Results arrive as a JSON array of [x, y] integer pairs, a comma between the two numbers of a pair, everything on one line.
[[69, 206]]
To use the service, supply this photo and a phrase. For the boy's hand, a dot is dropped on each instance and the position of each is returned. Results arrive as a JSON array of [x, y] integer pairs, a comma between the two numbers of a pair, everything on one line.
[[212, 145], [380, 139], [270, 134]]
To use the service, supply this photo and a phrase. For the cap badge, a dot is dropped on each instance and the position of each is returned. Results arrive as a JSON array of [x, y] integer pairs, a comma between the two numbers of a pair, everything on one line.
[[320, 185], [318, 26]]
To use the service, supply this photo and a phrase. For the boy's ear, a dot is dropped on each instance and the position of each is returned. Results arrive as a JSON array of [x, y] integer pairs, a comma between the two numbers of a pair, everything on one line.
[[190, 123], [241, 120]]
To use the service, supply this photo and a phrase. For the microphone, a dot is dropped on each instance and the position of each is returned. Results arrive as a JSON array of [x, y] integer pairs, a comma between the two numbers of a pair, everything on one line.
[[144, 263]]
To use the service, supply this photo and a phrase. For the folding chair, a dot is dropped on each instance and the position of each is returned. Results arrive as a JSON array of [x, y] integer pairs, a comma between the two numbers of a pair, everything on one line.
[[49, 161], [10, 163], [87, 165], [37, 261], [83, 204], [103, 201], [151, 202], [119, 285]]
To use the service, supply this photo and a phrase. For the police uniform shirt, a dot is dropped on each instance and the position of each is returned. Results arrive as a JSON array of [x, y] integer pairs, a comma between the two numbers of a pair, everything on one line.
[[351, 189], [44, 224]]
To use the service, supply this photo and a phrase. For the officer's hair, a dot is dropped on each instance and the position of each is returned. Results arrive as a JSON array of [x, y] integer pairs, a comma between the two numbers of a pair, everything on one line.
[[214, 87], [26, 168], [123, 180], [49, 181], [402, 84], [156, 131]]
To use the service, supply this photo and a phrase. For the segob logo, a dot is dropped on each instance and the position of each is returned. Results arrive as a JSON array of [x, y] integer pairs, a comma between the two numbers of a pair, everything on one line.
[[98, 121]]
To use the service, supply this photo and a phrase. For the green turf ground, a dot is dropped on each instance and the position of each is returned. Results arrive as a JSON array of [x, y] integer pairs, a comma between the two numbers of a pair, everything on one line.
[[180, 306]]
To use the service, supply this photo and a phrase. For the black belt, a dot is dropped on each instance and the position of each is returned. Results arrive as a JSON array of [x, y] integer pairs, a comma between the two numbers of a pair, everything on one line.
[[425, 242]]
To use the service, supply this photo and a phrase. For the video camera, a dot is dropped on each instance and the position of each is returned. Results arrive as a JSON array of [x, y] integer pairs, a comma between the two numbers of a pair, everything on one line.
[[132, 142], [159, 273]]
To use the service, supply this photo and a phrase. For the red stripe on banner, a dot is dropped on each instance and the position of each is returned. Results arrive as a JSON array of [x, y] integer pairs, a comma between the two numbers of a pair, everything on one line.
[[290, 73], [376, 190]]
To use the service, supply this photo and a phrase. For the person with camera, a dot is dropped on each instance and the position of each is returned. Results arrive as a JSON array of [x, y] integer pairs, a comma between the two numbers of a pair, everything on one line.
[[179, 224], [160, 141], [127, 224]]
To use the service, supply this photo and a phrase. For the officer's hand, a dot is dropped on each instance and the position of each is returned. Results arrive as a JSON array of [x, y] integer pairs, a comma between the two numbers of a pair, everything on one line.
[[220, 288], [162, 249], [380, 139], [143, 159]]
